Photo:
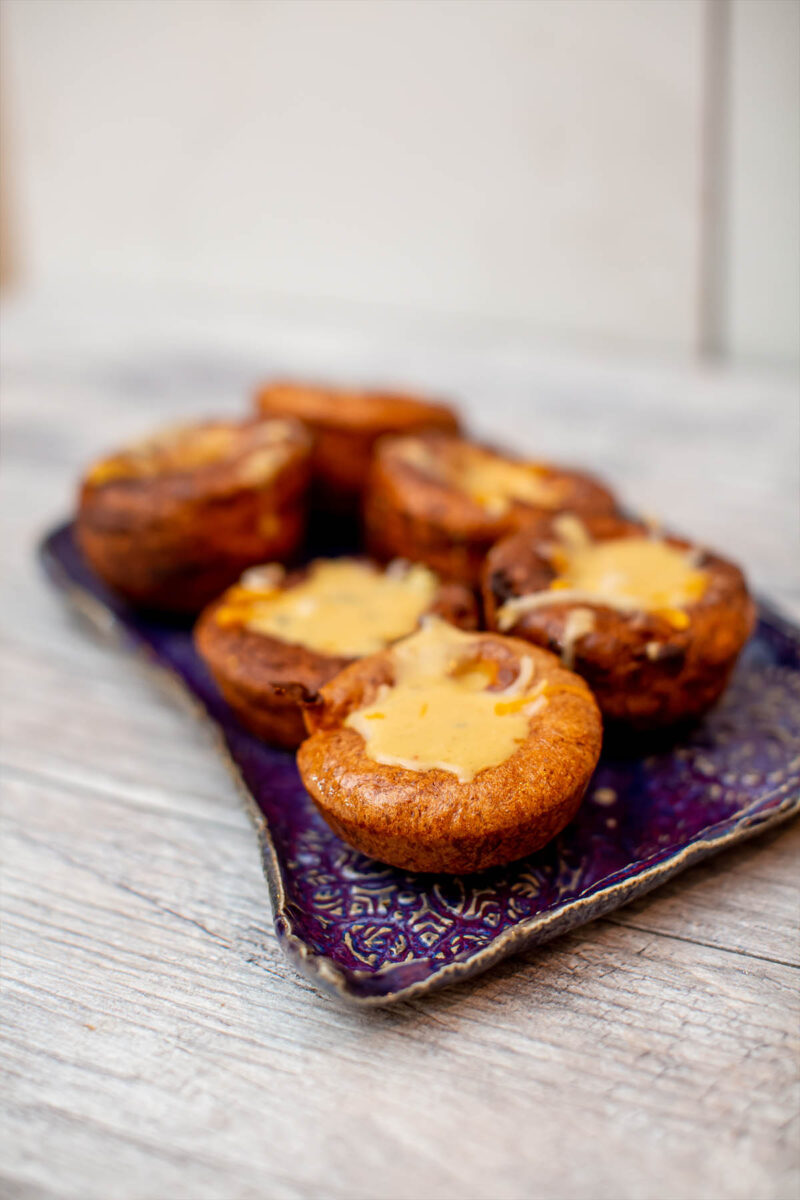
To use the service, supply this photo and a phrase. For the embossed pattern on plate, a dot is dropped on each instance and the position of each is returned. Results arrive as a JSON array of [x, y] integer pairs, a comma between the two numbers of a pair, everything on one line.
[[374, 935]]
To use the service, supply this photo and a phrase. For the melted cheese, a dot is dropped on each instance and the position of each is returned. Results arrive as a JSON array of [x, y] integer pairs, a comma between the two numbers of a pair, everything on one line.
[[635, 574], [439, 713], [579, 623], [496, 483], [648, 571], [183, 448], [343, 607], [492, 481]]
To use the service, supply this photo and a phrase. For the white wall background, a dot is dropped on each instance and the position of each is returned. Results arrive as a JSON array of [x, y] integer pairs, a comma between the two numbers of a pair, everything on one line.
[[540, 162], [761, 315]]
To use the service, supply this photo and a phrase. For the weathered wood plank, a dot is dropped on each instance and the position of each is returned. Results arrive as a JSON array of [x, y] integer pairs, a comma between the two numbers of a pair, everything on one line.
[[746, 900], [155, 1041], [151, 1017]]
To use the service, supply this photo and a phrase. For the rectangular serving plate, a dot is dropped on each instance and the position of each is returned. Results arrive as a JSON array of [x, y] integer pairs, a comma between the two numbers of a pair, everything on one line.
[[374, 935]]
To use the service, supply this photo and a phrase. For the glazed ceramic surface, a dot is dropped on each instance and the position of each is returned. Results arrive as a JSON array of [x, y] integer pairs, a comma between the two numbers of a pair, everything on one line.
[[374, 934]]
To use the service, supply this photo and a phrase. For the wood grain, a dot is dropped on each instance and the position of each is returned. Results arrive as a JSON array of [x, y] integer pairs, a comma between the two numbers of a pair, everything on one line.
[[156, 1042]]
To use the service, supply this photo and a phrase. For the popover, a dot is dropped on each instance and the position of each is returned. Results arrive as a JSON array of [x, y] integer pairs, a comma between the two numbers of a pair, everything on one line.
[[171, 521], [445, 501], [346, 424], [274, 639], [653, 623], [450, 751]]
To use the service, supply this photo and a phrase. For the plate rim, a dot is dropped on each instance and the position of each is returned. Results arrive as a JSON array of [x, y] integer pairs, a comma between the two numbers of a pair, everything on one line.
[[342, 982]]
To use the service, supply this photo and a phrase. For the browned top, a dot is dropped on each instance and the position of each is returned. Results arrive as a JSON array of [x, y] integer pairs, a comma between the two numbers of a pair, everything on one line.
[[527, 563], [261, 661], [207, 457], [554, 761], [424, 476], [368, 412]]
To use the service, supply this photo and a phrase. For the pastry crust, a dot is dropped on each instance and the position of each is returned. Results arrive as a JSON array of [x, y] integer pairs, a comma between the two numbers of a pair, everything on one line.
[[266, 680], [645, 673], [428, 820], [346, 425], [170, 522], [413, 513]]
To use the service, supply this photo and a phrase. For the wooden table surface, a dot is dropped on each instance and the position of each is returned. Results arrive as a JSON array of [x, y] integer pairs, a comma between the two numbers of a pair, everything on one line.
[[156, 1042]]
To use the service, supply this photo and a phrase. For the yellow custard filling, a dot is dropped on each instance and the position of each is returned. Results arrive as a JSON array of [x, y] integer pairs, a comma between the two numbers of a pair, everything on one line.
[[183, 448], [630, 574], [344, 607], [438, 713], [492, 481]]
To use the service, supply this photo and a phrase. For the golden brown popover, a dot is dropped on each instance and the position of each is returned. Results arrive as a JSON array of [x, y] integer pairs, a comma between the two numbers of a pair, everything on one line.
[[346, 424], [445, 501], [275, 638], [451, 751], [171, 521], [653, 623]]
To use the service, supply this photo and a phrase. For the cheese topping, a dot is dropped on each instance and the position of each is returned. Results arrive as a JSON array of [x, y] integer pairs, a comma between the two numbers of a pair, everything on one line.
[[184, 448], [439, 713], [344, 607], [633, 574], [492, 481], [579, 623]]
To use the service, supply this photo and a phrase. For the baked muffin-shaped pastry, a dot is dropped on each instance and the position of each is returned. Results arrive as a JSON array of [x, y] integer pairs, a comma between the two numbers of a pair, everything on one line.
[[274, 639], [346, 425], [445, 501], [451, 751], [653, 624], [171, 521]]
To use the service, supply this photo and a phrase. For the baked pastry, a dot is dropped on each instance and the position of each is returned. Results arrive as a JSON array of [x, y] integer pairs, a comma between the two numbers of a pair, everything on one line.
[[346, 425], [171, 521], [451, 751], [445, 501], [653, 623], [274, 639]]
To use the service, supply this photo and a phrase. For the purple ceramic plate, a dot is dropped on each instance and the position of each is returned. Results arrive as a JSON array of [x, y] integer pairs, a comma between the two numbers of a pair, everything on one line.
[[373, 934]]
